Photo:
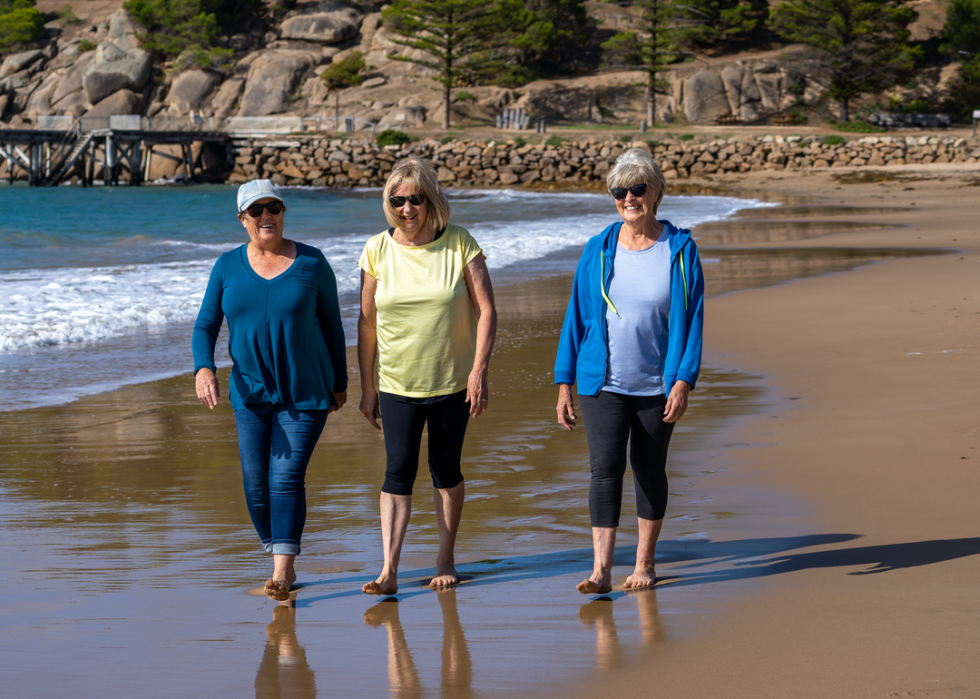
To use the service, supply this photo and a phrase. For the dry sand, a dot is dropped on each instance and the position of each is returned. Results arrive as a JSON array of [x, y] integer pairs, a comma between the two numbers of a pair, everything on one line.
[[881, 446]]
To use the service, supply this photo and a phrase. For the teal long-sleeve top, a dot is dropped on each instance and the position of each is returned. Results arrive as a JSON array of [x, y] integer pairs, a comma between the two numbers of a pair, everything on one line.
[[286, 337]]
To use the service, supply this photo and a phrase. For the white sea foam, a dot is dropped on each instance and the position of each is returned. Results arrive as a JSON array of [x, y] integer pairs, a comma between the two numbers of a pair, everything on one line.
[[84, 304]]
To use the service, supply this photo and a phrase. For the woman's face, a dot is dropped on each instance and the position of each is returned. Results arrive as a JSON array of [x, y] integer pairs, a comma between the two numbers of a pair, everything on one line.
[[638, 210], [411, 218], [266, 227]]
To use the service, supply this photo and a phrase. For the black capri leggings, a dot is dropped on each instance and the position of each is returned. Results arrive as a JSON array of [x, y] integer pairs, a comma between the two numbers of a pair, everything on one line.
[[612, 420], [403, 419]]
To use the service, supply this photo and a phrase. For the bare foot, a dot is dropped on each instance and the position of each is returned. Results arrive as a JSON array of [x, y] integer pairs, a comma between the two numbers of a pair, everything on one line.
[[444, 580], [593, 587], [642, 577], [381, 586], [277, 590]]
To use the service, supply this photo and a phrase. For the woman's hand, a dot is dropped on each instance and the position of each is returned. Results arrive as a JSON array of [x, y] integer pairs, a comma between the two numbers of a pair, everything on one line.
[[341, 398], [477, 392], [566, 409], [677, 401], [371, 407], [207, 387]]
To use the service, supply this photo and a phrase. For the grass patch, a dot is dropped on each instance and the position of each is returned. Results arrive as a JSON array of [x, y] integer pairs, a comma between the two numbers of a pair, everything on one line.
[[856, 127], [465, 96], [834, 140], [518, 141], [686, 137], [393, 137], [555, 141]]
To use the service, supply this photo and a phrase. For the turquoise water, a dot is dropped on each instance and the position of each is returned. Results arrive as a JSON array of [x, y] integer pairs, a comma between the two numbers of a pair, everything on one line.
[[99, 286]]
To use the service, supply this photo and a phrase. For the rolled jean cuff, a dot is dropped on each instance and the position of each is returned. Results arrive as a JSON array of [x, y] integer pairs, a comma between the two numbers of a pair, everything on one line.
[[284, 548]]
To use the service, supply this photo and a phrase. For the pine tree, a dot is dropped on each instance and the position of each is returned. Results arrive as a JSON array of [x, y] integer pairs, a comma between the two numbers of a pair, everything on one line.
[[649, 47], [724, 24], [961, 41], [861, 45], [454, 36]]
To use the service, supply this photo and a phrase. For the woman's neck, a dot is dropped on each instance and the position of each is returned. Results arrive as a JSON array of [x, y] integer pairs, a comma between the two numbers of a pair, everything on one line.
[[279, 246], [423, 236], [639, 235]]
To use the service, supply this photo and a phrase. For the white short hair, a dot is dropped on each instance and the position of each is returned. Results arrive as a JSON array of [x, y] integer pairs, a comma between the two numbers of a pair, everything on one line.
[[637, 165]]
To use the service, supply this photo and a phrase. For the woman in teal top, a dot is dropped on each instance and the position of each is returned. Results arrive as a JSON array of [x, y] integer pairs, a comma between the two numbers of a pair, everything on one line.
[[290, 366]]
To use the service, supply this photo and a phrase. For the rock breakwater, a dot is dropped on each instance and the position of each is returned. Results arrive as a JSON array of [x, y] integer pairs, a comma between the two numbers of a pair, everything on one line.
[[323, 162]]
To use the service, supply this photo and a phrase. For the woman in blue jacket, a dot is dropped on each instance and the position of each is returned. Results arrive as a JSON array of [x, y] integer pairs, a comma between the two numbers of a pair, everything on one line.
[[632, 341], [290, 367]]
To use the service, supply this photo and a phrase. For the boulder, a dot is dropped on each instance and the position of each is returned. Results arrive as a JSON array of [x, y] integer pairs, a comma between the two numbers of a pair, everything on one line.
[[224, 102], [4, 101], [120, 102], [403, 116], [189, 89], [122, 31], [240, 42], [769, 89], [16, 62], [704, 98], [271, 79], [115, 69], [71, 81], [40, 101], [75, 105], [751, 106], [732, 78], [374, 82], [325, 23]]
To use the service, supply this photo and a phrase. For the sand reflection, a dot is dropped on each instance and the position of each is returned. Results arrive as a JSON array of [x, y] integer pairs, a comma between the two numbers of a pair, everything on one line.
[[403, 676], [284, 671], [598, 614]]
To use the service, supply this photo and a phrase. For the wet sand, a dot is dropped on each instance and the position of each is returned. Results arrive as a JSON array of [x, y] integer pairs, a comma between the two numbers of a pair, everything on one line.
[[126, 535]]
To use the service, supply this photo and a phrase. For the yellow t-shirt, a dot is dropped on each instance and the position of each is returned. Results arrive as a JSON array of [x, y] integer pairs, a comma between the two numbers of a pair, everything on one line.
[[426, 322]]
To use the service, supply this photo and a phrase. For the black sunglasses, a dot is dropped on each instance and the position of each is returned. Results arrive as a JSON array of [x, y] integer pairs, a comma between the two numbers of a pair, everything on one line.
[[637, 190], [399, 202], [273, 207]]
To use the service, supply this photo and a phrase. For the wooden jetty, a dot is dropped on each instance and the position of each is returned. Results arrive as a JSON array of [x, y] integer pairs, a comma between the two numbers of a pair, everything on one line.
[[119, 144]]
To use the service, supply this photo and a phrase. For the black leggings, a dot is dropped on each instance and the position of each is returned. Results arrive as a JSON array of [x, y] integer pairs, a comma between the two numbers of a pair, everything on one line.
[[403, 419], [612, 419]]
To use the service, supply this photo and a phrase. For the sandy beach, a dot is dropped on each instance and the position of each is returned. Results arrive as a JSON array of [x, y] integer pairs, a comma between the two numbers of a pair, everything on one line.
[[821, 539]]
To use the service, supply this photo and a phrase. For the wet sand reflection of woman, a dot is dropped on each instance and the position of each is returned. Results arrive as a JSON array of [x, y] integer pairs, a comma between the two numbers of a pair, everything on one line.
[[284, 671], [599, 613], [457, 667]]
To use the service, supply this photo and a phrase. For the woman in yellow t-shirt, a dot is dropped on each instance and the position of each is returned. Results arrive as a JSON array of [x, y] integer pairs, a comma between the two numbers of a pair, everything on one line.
[[424, 339]]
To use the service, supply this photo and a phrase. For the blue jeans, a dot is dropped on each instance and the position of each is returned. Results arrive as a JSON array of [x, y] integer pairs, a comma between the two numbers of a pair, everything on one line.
[[275, 443]]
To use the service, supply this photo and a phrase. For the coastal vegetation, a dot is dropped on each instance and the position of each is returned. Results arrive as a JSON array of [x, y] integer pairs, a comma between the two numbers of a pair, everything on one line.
[[20, 23]]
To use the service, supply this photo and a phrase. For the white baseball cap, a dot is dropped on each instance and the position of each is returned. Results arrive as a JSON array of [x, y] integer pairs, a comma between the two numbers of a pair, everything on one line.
[[252, 191]]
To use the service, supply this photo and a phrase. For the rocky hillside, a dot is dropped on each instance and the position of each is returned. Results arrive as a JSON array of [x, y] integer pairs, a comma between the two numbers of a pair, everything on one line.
[[97, 68]]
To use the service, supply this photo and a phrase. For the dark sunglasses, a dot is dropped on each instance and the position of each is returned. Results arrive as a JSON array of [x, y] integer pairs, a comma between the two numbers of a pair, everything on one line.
[[273, 207], [637, 190], [399, 202]]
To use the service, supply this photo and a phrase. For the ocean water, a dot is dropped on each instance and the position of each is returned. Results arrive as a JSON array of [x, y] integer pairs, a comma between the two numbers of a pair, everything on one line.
[[99, 288]]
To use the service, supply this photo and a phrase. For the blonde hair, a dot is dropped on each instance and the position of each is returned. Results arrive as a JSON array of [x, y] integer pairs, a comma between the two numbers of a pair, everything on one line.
[[421, 178], [637, 164]]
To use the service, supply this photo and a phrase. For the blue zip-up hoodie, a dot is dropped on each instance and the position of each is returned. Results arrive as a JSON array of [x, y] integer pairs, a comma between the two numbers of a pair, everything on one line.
[[583, 349]]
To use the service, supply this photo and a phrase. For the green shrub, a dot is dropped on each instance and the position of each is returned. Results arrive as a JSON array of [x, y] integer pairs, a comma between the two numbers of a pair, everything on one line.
[[554, 140], [653, 144], [20, 23], [686, 137], [344, 73], [856, 127], [67, 16], [465, 97], [834, 141], [625, 139], [173, 26], [392, 137], [447, 138], [86, 45], [518, 141]]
